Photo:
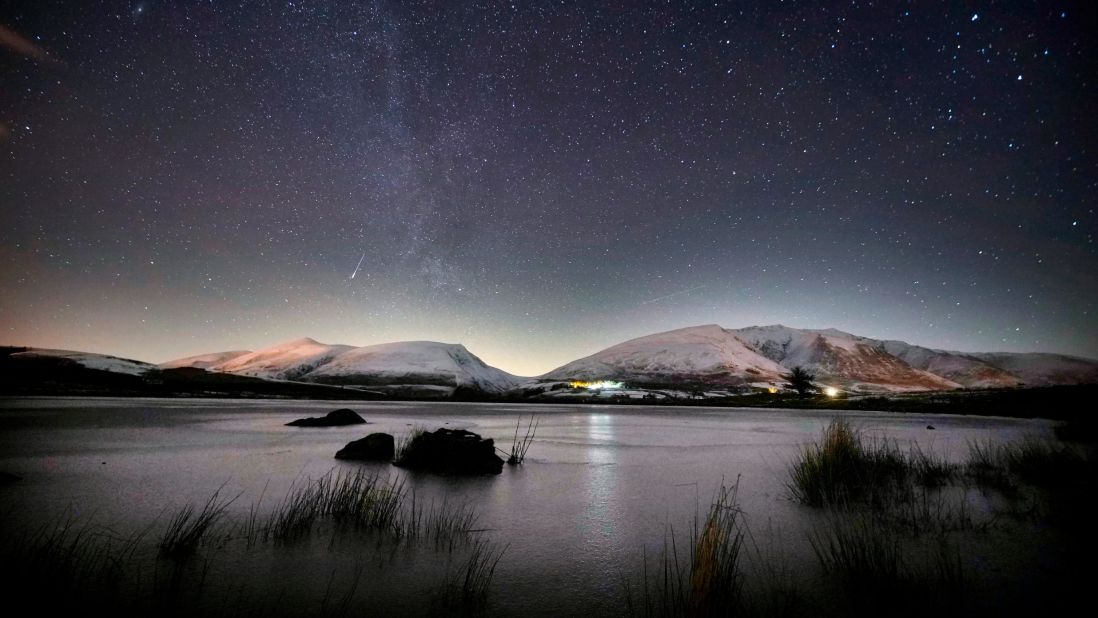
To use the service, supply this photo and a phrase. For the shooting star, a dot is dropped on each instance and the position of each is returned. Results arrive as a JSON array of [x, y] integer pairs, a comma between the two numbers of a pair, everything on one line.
[[359, 265], [671, 295]]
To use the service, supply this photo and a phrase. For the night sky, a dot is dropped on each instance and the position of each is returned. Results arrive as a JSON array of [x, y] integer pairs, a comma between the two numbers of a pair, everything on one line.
[[541, 180]]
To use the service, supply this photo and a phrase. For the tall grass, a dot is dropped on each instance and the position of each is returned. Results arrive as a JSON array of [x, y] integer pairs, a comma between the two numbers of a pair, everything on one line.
[[70, 566], [708, 581], [468, 586], [189, 527], [67, 564], [368, 502], [843, 467], [519, 448], [862, 551], [1041, 463], [879, 575], [404, 441]]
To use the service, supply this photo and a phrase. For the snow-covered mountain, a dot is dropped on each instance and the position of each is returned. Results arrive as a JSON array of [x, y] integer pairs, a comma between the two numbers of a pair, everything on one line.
[[965, 369], [699, 354], [407, 365], [841, 359], [101, 362], [413, 362], [291, 360], [204, 361], [707, 356], [711, 355]]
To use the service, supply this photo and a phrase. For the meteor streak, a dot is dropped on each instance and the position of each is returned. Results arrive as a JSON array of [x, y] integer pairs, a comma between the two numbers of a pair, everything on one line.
[[671, 295], [359, 264]]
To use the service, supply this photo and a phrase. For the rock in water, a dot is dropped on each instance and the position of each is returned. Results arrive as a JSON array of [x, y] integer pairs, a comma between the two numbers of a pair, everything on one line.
[[451, 451], [335, 418], [374, 447]]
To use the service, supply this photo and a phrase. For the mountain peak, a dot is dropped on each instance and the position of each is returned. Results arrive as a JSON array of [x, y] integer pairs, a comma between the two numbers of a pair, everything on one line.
[[301, 341]]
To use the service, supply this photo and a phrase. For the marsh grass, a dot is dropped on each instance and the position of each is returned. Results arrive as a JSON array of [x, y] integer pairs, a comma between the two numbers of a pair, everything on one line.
[[707, 580], [936, 511], [187, 529], [74, 565], [68, 562], [519, 448], [1045, 464], [252, 528], [846, 467], [404, 442], [1041, 479], [468, 585], [333, 606], [861, 551], [879, 573], [445, 524], [929, 470], [368, 502]]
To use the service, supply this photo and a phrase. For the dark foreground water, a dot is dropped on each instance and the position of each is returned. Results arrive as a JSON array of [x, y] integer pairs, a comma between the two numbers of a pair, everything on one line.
[[598, 491]]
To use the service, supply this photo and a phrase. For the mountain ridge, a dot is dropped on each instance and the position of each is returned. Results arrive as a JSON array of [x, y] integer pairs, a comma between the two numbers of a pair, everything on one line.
[[707, 356]]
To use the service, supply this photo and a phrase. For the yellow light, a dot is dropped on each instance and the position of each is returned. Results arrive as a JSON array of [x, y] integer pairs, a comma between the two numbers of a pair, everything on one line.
[[772, 390], [831, 391], [598, 385]]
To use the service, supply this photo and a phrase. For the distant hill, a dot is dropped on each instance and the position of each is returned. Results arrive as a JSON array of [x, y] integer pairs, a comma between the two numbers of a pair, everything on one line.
[[710, 355], [699, 361], [407, 367]]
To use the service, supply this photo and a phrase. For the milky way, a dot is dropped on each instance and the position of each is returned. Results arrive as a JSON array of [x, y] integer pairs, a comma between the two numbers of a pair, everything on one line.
[[183, 177]]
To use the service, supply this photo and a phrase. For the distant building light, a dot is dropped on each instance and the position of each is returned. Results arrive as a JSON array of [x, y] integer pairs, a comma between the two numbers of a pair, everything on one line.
[[598, 385], [773, 390]]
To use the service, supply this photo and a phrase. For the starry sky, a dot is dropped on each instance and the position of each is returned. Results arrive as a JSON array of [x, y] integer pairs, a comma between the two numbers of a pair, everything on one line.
[[539, 180]]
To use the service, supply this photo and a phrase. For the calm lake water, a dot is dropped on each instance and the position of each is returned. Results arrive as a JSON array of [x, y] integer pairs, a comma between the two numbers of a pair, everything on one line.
[[599, 488]]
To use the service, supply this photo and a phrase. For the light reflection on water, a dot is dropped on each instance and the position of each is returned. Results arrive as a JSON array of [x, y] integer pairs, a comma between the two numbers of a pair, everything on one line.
[[602, 486]]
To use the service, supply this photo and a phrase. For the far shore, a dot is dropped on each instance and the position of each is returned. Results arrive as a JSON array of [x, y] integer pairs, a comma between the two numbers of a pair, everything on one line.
[[1049, 402]]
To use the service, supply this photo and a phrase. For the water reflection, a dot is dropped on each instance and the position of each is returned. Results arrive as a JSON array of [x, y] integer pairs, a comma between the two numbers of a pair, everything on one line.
[[597, 523]]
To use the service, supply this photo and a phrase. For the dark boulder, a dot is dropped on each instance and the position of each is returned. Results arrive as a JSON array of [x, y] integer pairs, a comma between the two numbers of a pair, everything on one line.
[[334, 418], [374, 447], [451, 451]]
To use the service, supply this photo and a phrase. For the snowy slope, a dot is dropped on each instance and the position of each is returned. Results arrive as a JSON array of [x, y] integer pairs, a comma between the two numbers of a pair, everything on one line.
[[965, 369], [841, 359], [413, 362], [1039, 369], [426, 365], [101, 362], [204, 361], [286, 361], [696, 354]]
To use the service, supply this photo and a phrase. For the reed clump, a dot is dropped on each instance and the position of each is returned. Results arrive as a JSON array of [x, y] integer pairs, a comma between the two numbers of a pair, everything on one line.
[[706, 582], [468, 586], [1037, 462], [519, 448], [187, 529], [368, 502], [879, 573], [404, 442], [845, 467]]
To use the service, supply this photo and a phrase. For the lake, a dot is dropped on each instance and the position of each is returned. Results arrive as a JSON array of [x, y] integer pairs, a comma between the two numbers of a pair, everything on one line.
[[596, 498]]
